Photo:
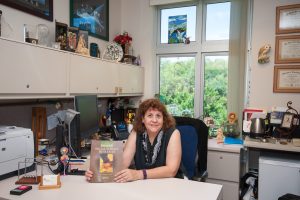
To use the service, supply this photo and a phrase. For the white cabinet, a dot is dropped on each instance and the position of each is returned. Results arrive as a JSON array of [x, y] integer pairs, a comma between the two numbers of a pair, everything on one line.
[[278, 176], [31, 69], [92, 76], [131, 79], [223, 167]]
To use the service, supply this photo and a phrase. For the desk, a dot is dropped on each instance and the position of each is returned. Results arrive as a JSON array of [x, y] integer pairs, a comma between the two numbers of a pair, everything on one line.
[[76, 188], [255, 145]]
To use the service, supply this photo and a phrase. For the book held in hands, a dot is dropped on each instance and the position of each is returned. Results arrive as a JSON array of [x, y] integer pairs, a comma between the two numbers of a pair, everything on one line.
[[106, 160]]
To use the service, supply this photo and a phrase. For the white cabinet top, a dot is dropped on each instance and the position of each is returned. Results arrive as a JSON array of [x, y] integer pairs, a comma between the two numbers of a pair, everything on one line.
[[233, 148]]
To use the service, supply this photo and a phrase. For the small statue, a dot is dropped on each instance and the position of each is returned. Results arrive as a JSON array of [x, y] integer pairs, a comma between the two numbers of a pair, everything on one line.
[[220, 136], [64, 158], [262, 54], [82, 46]]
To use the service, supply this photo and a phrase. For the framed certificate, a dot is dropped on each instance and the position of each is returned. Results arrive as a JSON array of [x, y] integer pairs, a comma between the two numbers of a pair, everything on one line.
[[288, 19], [286, 79], [287, 49]]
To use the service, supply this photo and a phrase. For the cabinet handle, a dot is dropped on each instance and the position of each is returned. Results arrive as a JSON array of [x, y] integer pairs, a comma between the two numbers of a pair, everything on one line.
[[27, 86], [3, 149], [221, 157]]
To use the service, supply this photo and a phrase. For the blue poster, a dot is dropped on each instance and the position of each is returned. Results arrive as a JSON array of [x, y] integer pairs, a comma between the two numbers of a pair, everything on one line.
[[177, 29]]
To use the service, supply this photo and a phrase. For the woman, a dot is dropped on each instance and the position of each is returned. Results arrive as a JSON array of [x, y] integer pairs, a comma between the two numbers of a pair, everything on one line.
[[154, 144]]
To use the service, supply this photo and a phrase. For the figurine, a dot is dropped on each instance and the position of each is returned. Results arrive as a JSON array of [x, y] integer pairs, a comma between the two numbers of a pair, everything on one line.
[[81, 46], [231, 126], [64, 158], [220, 136], [262, 54]]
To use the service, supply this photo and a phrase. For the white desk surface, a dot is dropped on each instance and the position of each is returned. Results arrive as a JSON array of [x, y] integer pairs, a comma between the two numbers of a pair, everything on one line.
[[248, 142], [77, 188]]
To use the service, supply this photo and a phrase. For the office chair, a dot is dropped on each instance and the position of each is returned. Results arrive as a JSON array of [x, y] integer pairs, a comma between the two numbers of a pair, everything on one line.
[[194, 138]]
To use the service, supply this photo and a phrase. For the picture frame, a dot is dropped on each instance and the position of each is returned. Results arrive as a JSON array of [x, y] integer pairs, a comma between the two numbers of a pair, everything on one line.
[[72, 38], [287, 49], [286, 79], [61, 34], [91, 16], [36, 8], [287, 19], [287, 120]]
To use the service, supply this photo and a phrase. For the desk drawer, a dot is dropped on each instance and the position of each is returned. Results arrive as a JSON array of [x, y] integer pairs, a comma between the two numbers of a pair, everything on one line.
[[223, 165]]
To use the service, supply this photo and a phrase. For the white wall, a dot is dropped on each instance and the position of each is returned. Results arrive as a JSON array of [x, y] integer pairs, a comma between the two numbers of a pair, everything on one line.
[[263, 32], [138, 20], [16, 19]]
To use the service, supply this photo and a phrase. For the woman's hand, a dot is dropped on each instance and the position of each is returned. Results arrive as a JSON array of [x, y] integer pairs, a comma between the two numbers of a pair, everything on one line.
[[88, 175], [127, 175]]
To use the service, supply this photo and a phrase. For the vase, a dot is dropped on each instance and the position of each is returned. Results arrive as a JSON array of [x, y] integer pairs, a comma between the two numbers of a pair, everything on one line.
[[125, 48]]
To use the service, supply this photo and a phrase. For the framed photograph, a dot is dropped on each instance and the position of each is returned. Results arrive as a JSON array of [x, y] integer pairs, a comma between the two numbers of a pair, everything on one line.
[[91, 16], [287, 49], [286, 79], [287, 120], [61, 33], [72, 38], [288, 19], [43, 9]]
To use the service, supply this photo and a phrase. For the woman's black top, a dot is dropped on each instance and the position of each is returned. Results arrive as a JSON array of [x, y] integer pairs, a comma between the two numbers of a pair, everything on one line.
[[139, 157]]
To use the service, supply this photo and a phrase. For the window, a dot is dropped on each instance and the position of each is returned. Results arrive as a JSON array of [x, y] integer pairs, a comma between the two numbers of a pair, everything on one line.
[[177, 85], [193, 79], [178, 23], [217, 21], [215, 87]]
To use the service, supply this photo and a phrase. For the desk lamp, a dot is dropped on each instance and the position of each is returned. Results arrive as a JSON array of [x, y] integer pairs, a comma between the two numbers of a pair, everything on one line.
[[70, 115]]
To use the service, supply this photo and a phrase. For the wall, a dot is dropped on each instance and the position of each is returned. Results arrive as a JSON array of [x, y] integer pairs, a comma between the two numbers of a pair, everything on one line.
[[16, 19], [263, 32]]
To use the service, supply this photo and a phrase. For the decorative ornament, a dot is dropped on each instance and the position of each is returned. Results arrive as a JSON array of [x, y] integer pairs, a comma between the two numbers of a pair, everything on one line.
[[262, 54]]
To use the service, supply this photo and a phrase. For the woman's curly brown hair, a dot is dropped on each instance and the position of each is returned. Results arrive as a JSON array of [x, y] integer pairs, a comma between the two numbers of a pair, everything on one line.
[[168, 120]]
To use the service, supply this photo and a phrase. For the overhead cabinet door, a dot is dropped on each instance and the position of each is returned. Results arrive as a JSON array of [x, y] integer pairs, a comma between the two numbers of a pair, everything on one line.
[[27, 68], [92, 76]]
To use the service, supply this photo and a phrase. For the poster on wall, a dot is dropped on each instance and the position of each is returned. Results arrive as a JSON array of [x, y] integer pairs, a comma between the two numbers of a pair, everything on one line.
[[40, 8], [91, 16], [177, 29]]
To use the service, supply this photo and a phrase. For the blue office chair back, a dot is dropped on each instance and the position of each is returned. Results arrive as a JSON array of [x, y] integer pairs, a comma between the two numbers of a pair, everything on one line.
[[194, 139], [189, 142]]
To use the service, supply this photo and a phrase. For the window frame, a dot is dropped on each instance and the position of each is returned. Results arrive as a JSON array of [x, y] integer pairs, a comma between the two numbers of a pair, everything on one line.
[[198, 49]]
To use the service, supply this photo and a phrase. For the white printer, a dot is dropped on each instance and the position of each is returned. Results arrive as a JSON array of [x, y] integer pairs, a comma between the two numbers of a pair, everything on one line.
[[16, 144]]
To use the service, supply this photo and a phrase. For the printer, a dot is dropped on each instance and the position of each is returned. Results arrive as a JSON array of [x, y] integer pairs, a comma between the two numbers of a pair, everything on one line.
[[16, 144]]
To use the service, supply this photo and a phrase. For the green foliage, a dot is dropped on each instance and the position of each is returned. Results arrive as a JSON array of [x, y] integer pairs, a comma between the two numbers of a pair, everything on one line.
[[215, 89], [177, 87]]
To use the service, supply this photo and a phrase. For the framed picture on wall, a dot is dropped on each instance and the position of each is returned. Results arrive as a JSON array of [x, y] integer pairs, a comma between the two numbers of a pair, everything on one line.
[[287, 49], [91, 16], [286, 79], [288, 19], [43, 9]]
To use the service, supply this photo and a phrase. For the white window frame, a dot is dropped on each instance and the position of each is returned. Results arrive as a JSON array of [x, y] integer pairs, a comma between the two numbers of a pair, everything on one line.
[[198, 48]]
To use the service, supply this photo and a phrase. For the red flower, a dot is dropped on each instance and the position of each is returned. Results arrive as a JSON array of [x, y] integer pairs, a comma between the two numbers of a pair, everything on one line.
[[123, 39]]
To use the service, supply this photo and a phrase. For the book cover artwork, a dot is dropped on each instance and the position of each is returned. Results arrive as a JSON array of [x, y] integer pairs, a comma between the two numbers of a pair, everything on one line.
[[106, 159]]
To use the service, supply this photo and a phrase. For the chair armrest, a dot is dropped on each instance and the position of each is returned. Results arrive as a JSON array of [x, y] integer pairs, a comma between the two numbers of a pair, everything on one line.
[[201, 177]]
